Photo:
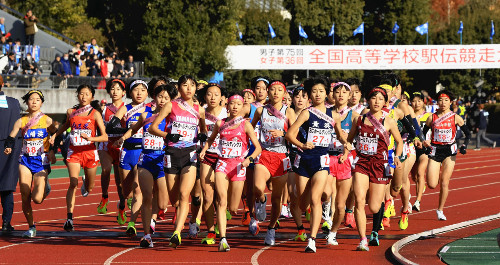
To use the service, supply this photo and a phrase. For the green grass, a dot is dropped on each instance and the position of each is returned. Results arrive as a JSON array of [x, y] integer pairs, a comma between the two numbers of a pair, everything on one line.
[[477, 249]]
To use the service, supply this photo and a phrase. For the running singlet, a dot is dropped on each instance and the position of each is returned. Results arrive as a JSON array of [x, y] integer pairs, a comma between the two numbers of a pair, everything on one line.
[[443, 133], [108, 113], [233, 142], [181, 121], [36, 138], [253, 108], [358, 108], [80, 125], [271, 122], [319, 132], [337, 148], [136, 139], [151, 143], [371, 142], [210, 122]]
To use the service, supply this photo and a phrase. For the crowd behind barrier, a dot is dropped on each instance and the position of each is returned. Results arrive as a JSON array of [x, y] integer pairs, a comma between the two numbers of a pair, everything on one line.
[[57, 82]]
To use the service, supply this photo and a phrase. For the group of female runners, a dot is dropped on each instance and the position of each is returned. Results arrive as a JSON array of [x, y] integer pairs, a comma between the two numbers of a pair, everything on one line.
[[316, 148]]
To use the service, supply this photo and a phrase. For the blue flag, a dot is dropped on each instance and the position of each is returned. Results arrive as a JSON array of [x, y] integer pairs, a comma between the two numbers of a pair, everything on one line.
[[461, 28], [302, 33], [492, 32], [360, 29], [332, 30], [271, 30], [423, 29], [395, 29], [239, 32]]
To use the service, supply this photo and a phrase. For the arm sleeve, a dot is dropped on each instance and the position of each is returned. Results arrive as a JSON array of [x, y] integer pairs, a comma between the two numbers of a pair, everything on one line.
[[425, 129], [408, 126], [112, 128], [418, 130], [466, 131]]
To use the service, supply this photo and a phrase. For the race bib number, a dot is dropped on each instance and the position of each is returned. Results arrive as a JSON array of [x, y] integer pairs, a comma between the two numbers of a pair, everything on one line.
[[141, 159], [76, 137], [453, 149], [139, 133], [367, 145], [221, 166], [33, 148], [442, 135], [286, 164], [270, 140], [187, 131], [167, 161], [296, 163], [214, 148], [325, 160], [257, 131], [319, 137], [433, 151], [241, 171], [152, 142], [231, 149]]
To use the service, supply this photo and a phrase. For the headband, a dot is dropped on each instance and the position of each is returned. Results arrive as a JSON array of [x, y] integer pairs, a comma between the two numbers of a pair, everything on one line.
[[137, 82], [250, 91], [277, 83], [36, 91], [233, 97], [378, 89], [417, 93], [119, 81], [386, 86], [262, 79], [211, 84], [334, 85], [407, 95], [444, 95], [203, 82]]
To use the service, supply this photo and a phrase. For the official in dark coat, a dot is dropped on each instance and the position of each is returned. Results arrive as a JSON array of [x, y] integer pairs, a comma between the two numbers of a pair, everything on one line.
[[9, 166]]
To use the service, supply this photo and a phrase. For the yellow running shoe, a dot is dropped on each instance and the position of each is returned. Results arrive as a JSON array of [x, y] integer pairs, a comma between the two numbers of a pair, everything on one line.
[[175, 240], [391, 208], [103, 206], [210, 239], [216, 229], [308, 214], [403, 223], [131, 231], [129, 203], [122, 217], [228, 215]]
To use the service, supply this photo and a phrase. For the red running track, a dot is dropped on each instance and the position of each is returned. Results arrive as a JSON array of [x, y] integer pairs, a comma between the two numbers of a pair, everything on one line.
[[99, 239]]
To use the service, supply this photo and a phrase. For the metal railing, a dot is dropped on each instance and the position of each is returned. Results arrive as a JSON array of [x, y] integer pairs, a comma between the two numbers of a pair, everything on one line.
[[58, 82]]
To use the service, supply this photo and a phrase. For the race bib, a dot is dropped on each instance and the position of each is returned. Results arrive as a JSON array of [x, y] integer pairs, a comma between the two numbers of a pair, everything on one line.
[[139, 133], [433, 151], [141, 159], [76, 137], [187, 131], [221, 166], [296, 163], [33, 148], [167, 161], [286, 164], [319, 137], [443, 135], [335, 145], [325, 160], [231, 149], [257, 130], [270, 140], [242, 171], [367, 145], [193, 157], [214, 148], [152, 142], [453, 149]]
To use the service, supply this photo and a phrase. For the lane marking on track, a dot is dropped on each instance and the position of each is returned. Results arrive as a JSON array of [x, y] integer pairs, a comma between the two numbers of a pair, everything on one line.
[[255, 256], [459, 252]]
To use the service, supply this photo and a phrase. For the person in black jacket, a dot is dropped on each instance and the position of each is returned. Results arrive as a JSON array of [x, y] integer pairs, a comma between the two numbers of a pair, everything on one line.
[[57, 72], [482, 123]]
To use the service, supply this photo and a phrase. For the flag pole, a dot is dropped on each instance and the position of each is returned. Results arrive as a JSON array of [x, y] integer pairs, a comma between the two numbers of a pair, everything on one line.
[[363, 37], [427, 35], [460, 38], [395, 38], [333, 39]]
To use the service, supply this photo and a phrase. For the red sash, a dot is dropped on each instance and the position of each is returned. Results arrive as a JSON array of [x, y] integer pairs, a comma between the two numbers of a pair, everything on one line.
[[188, 108], [80, 111], [376, 123], [442, 118], [150, 119], [226, 125], [211, 117]]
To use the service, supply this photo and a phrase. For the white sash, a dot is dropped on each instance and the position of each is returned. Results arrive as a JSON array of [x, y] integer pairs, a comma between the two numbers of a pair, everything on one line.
[[226, 125], [276, 113], [80, 111], [442, 118], [32, 122], [134, 110], [188, 108], [322, 115]]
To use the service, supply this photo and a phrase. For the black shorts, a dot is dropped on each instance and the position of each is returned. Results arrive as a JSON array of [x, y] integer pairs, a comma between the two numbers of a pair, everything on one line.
[[419, 152], [440, 152], [176, 159]]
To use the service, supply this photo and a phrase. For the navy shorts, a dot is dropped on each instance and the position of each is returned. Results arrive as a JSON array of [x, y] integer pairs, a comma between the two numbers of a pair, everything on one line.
[[129, 158], [308, 165], [152, 162], [35, 163]]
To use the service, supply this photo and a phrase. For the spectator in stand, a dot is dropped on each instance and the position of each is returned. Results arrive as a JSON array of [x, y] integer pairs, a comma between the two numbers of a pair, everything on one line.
[[130, 67], [94, 46], [74, 63], [29, 66], [77, 49], [100, 54], [109, 64], [2, 26], [29, 27], [103, 67], [57, 72], [12, 65], [66, 66], [482, 124], [94, 69], [85, 46], [117, 69], [17, 49], [84, 71]]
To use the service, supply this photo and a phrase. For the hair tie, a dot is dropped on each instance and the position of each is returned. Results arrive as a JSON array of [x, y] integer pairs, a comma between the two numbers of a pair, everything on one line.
[[277, 83], [137, 82], [233, 97], [119, 81]]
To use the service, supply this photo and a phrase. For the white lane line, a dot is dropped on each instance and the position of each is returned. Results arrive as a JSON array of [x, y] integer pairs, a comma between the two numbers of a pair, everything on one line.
[[255, 256]]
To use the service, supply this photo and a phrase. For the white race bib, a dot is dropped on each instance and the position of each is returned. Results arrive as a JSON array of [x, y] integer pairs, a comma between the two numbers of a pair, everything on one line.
[[186, 130], [367, 145], [152, 142], [296, 163], [76, 137], [325, 160], [33, 148], [319, 137], [286, 164], [231, 149], [443, 135], [270, 140], [139, 133], [242, 171]]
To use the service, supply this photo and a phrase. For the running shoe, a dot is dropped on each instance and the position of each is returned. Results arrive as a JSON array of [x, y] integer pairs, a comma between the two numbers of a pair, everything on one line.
[[269, 240], [416, 206], [441, 216], [387, 208], [326, 210], [175, 240], [410, 207], [83, 189], [327, 225], [363, 246], [301, 235], [152, 226], [129, 203], [48, 188], [349, 220], [228, 215], [223, 245], [386, 222], [216, 229], [331, 239], [131, 231], [403, 222], [253, 227], [277, 226], [30, 233], [68, 225], [290, 215], [246, 218], [122, 217], [260, 209], [308, 214], [194, 229], [161, 214], [393, 210], [103, 206], [311, 246], [146, 241], [374, 239], [284, 211], [210, 239]]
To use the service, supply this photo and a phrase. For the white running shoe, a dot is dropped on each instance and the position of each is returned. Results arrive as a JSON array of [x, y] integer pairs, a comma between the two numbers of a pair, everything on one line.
[[363, 246], [146, 241], [152, 226], [410, 207], [269, 241], [326, 211], [416, 206], [441, 216], [290, 215], [84, 191], [260, 209], [284, 211], [311, 246], [253, 227], [30, 233], [332, 239], [194, 229], [223, 245]]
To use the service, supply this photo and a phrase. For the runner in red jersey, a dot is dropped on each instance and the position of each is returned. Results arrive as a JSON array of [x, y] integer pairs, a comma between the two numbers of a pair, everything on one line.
[[108, 154], [83, 120], [371, 172], [443, 147]]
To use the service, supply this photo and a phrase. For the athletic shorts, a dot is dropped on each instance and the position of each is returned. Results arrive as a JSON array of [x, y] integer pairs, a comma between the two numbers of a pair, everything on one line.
[[419, 152], [35, 163], [210, 159], [341, 171], [176, 159], [377, 172], [308, 165], [114, 152], [440, 152], [391, 158], [86, 156], [278, 164], [129, 158], [153, 162], [232, 168]]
